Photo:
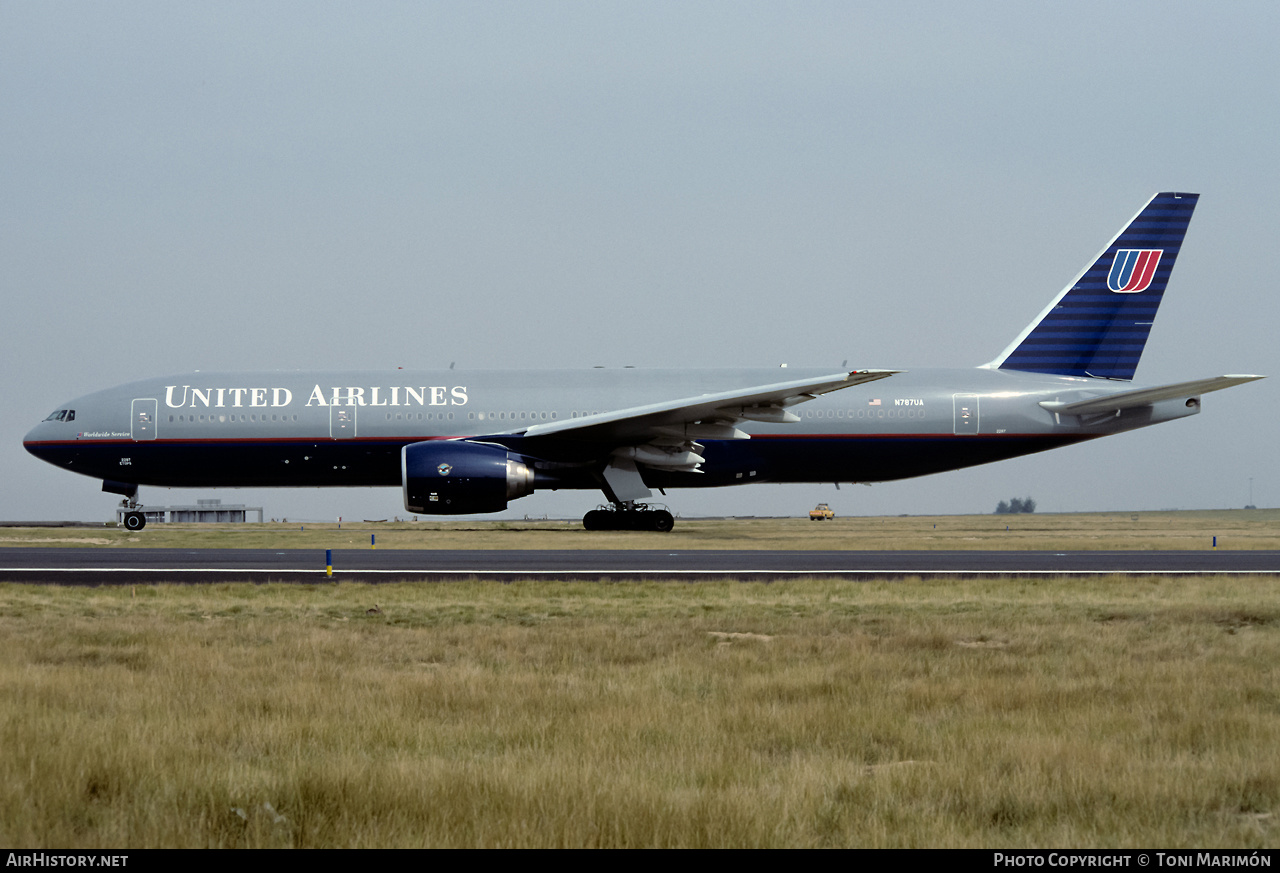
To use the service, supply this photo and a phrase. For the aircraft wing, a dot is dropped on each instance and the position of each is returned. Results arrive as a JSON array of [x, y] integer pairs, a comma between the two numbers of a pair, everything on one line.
[[707, 416], [1145, 396]]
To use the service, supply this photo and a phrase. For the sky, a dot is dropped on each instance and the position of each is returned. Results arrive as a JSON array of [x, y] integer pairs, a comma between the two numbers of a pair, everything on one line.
[[521, 185]]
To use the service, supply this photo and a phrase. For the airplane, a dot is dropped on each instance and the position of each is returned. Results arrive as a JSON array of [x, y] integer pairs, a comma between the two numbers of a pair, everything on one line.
[[461, 442]]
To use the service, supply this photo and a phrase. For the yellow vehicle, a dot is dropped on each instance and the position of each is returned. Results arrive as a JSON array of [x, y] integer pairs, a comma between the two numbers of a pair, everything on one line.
[[821, 512]]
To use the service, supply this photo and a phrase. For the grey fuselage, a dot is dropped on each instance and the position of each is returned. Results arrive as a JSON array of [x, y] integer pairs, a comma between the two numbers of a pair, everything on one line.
[[308, 429]]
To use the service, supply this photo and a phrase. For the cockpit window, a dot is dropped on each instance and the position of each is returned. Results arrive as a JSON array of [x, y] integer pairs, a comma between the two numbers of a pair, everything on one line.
[[71, 415], [60, 415]]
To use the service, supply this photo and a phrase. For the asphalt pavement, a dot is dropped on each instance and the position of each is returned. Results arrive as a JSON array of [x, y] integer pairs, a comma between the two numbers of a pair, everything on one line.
[[89, 566]]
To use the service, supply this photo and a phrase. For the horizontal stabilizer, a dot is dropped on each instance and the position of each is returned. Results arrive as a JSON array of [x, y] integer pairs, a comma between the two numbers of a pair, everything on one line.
[[1145, 396]]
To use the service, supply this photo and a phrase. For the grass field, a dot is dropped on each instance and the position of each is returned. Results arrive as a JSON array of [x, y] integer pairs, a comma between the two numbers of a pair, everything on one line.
[[1104, 712], [1235, 529]]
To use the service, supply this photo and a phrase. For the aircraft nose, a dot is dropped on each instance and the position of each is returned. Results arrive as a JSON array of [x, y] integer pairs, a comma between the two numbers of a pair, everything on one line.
[[29, 442], [37, 439]]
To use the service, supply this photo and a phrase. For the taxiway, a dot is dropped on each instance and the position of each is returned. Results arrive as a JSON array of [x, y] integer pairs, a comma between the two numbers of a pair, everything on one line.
[[91, 566]]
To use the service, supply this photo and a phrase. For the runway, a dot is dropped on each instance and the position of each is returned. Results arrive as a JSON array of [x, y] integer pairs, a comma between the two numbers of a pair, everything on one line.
[[142, 566]]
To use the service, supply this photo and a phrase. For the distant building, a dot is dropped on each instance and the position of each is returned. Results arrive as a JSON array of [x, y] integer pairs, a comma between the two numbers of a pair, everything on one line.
[[204, 511]]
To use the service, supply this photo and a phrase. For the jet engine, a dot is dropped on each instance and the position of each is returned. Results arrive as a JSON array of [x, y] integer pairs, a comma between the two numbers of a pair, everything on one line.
[[454, 477]]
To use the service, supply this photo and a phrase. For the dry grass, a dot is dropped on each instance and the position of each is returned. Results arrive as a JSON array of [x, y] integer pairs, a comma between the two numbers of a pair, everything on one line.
[[997, 713], [1235, 529]]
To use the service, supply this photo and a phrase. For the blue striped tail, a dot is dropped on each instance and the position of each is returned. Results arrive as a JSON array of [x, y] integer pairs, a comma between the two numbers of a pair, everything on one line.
[[1099, 324]]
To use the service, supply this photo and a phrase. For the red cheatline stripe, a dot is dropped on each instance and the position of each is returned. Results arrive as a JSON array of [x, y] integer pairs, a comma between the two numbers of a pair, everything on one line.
[[405, 440]]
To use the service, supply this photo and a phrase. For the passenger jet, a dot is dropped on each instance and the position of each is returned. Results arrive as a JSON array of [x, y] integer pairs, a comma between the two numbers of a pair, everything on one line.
[[472, 441]]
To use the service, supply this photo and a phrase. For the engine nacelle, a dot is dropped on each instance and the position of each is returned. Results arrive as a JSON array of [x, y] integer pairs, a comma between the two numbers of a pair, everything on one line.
[[454, 477]]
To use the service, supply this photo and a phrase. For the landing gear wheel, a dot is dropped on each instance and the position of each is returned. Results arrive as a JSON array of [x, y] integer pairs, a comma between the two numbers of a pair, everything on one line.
[[631, 517], [661, 520], [134, 521]]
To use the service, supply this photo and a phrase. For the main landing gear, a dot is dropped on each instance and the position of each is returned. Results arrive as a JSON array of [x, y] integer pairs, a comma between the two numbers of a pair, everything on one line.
[[629, 516]]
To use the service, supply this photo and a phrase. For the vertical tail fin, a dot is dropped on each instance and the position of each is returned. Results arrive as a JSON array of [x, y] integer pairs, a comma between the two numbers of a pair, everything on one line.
[[1099, 324]]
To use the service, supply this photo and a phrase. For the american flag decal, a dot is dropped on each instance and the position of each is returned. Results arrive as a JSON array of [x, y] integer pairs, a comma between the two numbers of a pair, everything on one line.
[[875, 402]]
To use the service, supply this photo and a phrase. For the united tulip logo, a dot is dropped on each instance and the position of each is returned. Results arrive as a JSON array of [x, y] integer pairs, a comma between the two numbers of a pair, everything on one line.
[[1133, 270]]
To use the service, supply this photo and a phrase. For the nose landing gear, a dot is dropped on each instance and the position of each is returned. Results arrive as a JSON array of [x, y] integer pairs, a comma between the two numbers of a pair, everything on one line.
[[129, 512], [629, 516]]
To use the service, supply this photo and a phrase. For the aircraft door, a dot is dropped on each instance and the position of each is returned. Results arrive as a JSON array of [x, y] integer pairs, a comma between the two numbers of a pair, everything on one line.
[[342, 422], [143, 414], [966, 413]]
